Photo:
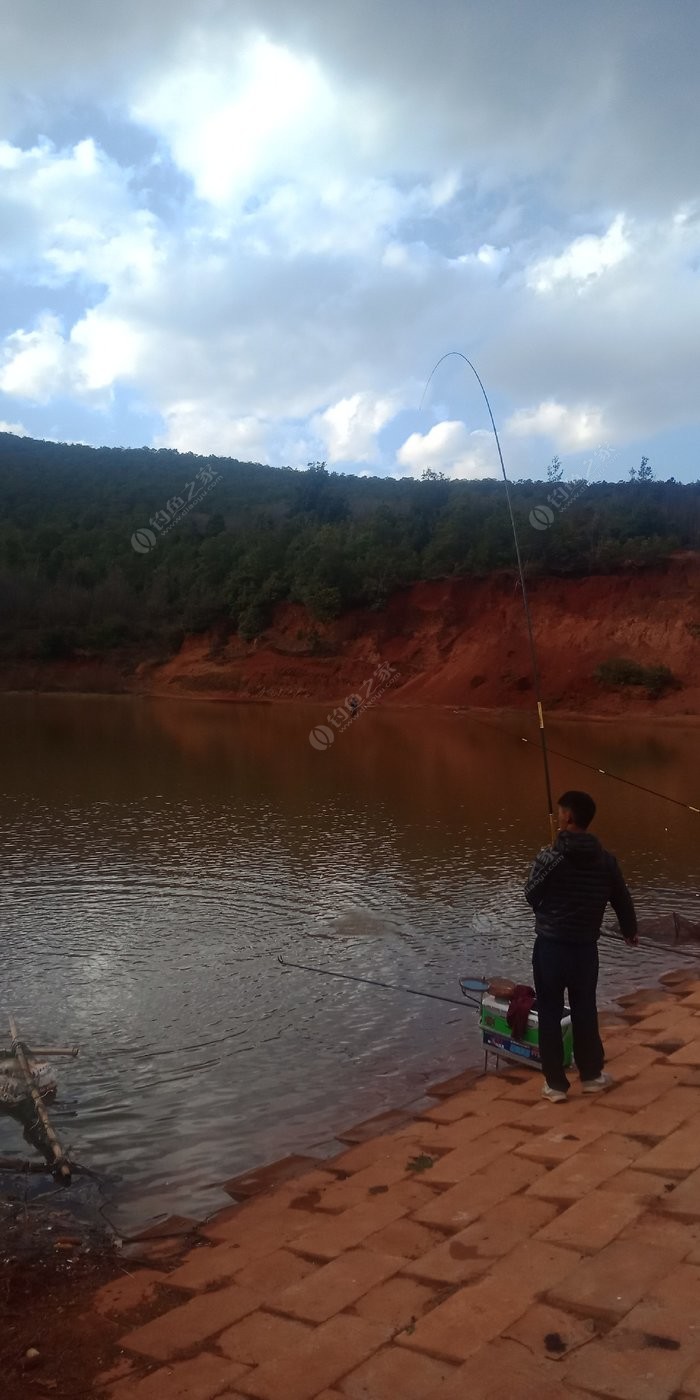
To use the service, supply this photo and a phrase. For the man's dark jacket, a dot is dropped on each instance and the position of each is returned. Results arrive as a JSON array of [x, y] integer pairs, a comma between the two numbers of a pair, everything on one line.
[[569, 886]]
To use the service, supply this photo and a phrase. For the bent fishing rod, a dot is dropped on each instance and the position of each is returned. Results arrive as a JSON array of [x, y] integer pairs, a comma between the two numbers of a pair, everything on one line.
[[526, 603], [545, 747]]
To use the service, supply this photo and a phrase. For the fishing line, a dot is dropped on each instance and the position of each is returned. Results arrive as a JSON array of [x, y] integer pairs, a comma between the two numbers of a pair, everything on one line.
[[465, 1002], [644, 945], [616, 778], [370, 982], [528, 618], [581, 763]]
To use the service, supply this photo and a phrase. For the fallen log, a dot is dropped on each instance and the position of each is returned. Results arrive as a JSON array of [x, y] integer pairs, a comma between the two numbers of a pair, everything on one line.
[[60, 1163]]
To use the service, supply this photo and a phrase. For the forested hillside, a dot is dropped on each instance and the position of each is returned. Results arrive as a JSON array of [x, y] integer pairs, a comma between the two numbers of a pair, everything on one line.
[[104, 548]]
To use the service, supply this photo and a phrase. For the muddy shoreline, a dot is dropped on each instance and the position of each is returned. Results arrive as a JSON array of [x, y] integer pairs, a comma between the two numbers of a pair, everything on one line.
[[637, 719]]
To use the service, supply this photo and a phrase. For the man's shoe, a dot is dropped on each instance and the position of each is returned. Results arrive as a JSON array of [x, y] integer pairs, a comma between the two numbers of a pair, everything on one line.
[[554, 1095], [596, 1086]]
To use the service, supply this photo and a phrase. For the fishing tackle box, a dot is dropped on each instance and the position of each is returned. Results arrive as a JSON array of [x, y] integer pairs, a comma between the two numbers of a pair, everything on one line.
[[497, 1036]]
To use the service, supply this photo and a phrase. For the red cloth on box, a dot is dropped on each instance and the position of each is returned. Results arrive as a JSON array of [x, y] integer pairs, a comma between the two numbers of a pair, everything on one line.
[[519, 1008]]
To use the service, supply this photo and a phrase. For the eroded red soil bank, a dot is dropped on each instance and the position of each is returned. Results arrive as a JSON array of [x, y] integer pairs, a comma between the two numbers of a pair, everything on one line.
[[451, 642]]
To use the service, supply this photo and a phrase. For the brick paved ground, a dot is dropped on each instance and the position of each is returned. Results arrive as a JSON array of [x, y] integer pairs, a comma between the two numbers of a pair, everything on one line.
[[497, 1245]]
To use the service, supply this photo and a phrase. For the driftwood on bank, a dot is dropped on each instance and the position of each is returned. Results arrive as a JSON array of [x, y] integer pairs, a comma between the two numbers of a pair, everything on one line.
[[60, 1163]]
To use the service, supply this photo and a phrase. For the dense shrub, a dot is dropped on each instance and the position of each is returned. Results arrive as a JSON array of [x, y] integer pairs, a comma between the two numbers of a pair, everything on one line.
[[619, 671], [256, 535]]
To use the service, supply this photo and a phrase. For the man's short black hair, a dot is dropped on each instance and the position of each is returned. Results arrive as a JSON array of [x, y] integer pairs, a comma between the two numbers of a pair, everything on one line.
[[581, 806]]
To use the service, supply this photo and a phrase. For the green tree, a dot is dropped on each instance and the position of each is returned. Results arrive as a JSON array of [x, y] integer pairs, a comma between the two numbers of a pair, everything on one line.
[[70, 576]]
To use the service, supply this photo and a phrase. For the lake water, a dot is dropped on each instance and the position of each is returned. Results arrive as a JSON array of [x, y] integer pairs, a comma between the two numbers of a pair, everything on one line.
[[158, 855]]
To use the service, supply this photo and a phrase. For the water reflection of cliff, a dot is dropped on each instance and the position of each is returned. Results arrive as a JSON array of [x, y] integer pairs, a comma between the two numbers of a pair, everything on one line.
[[444, 780], [458, 790]]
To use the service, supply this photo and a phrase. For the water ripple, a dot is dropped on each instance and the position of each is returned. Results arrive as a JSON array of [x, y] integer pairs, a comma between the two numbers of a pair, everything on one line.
[[157, 858]]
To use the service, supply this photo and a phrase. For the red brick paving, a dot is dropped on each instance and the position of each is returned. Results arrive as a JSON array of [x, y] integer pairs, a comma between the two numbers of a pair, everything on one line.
[[337, 1285], [550, 1333], [202, 1378], [398, 1303], [329, 1352], [619, 1146], [645, 1185], [594, 1221], [549, 1252], [466, 1255], [480, 1311], [683, 1200], [205, 1267], [503, 1369], [455, 1208], [576, 1177], [464, 1161], [130, 1291], [676, 1155], [405, 1237], [613, 1281], [648, 1353], [267, 1277], [559, 1142], [190, 1325], [260, 1336], [393, 1373], [664, 1115]]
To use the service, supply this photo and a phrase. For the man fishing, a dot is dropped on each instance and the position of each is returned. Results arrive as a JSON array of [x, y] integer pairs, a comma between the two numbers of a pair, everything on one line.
[[569, 887]]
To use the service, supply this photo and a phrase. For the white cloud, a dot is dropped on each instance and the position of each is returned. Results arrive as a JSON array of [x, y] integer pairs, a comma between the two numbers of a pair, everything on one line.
[[108, 349], [570, 429], [42, 363], [35, 364], [584, 259], [238, 114], [422, 88], [326, 224], [349, 427], [70, 213], [617, 127], [450, 448], [190, 427], [18, 429]]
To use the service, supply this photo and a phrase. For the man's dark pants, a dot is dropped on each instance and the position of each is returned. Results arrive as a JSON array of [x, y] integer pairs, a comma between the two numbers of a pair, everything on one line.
[[558, 968]]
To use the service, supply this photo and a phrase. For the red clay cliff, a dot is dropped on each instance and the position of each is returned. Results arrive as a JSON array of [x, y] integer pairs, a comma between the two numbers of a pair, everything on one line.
[[453, 642]]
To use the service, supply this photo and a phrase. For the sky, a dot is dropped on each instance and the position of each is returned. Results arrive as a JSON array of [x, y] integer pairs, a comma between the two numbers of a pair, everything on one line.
[[252, 227]]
